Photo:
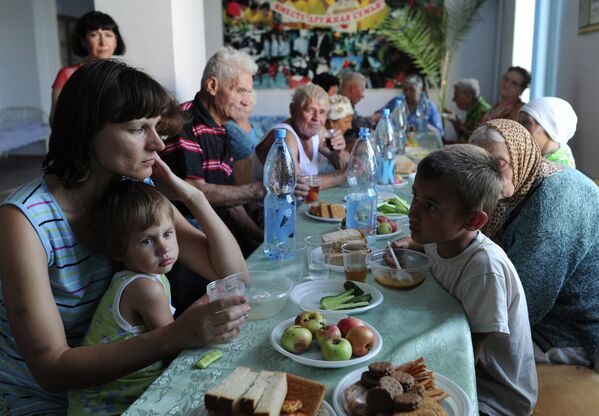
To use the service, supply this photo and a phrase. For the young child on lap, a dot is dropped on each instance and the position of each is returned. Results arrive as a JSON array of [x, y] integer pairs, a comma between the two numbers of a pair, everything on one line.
[[454, 191], [135, 224]]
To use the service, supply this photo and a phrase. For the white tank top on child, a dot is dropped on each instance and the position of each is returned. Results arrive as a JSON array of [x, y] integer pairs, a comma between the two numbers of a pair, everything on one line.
[[307, 165]]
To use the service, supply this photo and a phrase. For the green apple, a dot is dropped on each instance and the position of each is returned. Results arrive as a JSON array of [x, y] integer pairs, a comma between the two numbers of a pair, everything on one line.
[[311, 320], [327, 331], [336, 349], [296, 339], [384, 228]]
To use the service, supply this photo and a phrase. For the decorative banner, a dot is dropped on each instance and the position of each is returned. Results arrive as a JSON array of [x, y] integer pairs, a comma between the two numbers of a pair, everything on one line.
[[330, 20]]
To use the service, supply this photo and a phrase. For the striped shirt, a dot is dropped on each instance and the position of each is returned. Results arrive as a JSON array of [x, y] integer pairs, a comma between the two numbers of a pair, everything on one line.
[[78, 279], [202, 150]]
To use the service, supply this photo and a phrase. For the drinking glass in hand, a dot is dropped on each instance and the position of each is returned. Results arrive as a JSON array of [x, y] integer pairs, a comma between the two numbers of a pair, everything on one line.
[[328, 135]]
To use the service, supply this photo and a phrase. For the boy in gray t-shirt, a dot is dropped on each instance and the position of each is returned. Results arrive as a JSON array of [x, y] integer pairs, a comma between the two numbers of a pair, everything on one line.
[[454, 190]]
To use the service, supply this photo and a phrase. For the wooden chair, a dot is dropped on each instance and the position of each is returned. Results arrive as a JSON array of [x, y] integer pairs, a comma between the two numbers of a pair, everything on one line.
[[567, 390]]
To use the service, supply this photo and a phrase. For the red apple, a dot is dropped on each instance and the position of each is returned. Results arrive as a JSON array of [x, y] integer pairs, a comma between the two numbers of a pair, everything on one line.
[[393, 226], [326, 332], [382, 218], [336, 349], [296, 339], [348, 323], [311, 320], [362, 340]]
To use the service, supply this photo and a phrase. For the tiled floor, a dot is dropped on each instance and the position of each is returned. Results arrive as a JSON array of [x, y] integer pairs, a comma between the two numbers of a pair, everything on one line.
[[16, 170]]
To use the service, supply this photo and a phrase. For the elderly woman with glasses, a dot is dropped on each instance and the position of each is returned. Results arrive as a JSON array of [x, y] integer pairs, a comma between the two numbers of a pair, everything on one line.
[[513, 83]]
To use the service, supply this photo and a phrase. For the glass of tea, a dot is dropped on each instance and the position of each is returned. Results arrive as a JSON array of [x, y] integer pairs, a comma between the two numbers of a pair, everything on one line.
[[355, 255], [314, 186]]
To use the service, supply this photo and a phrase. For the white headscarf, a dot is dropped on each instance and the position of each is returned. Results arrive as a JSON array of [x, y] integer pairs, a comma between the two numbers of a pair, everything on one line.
[[556, 116]]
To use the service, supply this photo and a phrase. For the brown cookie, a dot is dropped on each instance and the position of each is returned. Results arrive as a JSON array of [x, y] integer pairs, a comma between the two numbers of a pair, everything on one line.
[[391, 385], [406, 380], [379, 400], [380, 368], [418, 389], [368, 380], [407, 401]]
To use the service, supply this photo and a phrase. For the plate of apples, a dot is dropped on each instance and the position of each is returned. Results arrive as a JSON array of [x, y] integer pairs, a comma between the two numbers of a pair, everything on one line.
[[326, 340]]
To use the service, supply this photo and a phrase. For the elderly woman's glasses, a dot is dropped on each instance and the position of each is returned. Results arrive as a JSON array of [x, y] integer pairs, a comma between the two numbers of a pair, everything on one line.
[[510, 81]]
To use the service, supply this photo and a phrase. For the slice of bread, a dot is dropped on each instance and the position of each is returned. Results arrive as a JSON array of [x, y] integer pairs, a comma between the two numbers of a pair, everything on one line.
[[325, 212], [272, 399], [225, 397], [252, 396], [337, 211]]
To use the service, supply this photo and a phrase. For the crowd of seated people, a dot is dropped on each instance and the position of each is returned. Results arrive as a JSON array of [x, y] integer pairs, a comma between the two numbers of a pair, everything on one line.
[[108, 122]]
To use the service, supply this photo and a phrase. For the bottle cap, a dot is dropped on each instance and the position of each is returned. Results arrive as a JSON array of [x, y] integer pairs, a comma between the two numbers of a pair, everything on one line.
[[386, 112], [364, 131], [280, 133]]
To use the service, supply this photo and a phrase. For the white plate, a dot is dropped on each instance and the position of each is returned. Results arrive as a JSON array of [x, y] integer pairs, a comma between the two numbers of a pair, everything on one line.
[[312, 357], [323, 219], [457, 404], [326, 410], [307, 295]]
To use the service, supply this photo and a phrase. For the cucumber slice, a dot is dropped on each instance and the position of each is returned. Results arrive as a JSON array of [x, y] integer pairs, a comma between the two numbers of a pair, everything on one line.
[[209, 358]]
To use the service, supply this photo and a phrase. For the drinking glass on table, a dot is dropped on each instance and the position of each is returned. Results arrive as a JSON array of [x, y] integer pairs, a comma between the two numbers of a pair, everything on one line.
[[355, 254], [292, 257], [317, 253], [314, 183]]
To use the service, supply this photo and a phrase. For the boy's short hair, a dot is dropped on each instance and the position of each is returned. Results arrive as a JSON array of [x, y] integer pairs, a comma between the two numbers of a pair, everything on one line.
[[472, 171], [127, 207]]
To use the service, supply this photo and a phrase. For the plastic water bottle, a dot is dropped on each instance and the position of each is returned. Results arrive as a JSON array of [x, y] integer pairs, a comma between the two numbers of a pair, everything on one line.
[[399, 119], [423, 112], [279, 202], [361, 177], [385, 150]]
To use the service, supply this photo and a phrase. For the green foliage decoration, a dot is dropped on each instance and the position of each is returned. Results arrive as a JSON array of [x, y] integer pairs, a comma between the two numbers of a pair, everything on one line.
[[429, 35]]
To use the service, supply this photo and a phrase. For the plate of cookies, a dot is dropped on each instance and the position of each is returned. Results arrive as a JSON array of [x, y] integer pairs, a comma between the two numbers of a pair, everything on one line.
[[410, 388], [326, 212]]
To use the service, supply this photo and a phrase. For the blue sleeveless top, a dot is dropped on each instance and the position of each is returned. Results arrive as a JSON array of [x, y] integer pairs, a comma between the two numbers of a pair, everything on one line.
[[78, 279]]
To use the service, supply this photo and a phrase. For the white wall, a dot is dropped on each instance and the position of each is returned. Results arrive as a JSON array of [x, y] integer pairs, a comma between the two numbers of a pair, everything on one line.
[[189, 39], [29, 50], [578, 65], [74, 8]]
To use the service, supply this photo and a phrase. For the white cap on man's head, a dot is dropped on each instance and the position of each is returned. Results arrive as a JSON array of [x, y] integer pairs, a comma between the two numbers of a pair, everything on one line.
[[556, 116], [339, 107]]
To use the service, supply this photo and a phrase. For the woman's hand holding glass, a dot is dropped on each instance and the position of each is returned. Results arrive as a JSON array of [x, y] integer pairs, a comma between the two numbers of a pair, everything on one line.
[[206, 323]]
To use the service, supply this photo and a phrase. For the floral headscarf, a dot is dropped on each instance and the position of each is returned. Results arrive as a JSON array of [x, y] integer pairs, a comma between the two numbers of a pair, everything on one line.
[[528, 165]]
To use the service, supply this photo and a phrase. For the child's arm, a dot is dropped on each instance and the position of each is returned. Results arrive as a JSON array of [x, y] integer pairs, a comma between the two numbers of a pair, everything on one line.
[[144, 301], [478, 342], [407, 242]]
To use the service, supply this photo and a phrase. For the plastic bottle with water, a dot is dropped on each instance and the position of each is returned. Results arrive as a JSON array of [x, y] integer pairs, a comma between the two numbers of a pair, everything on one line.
[[385, 149], [422, 113], [279, 202], [361, 177], [399, 119]]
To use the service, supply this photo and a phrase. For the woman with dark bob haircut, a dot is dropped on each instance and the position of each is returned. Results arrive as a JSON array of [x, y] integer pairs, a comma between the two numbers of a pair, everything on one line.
[[96, 36], [108, 125]]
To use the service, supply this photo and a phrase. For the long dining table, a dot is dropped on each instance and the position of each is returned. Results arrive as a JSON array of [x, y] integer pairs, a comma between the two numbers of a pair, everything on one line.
[[422, 322]]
